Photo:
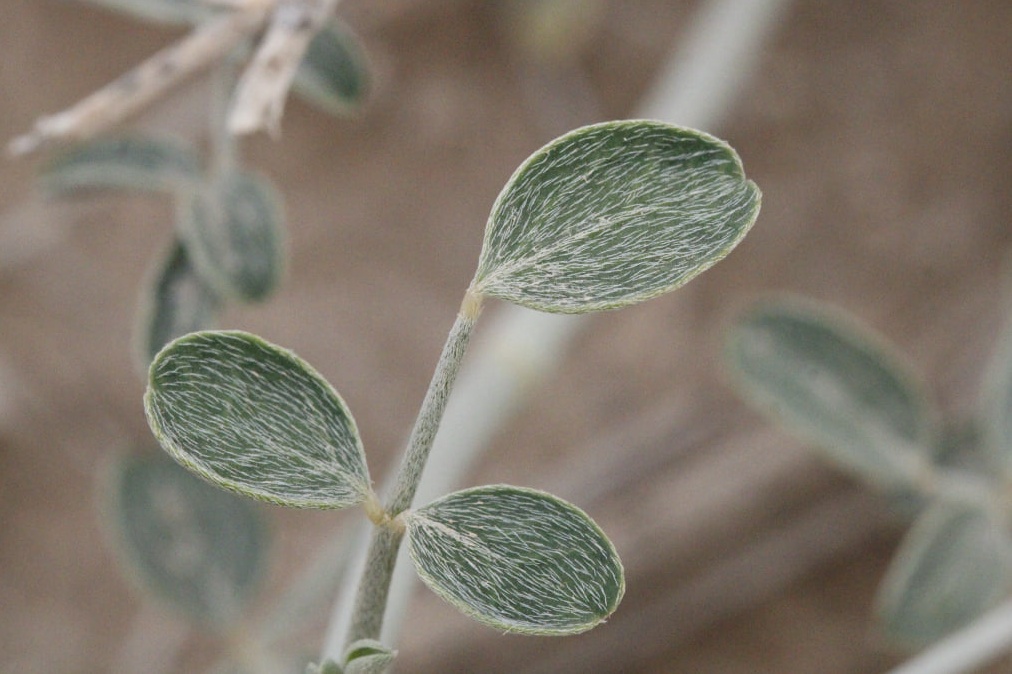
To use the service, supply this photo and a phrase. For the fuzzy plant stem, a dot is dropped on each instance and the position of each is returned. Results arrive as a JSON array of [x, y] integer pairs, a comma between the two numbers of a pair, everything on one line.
[[374, 586]]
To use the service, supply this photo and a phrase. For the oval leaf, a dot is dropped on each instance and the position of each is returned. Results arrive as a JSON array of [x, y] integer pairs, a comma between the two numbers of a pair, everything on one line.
[[370, 664], [516, 559], [325, 667], [123, 162], [836, 384], [252, 417], [177, 302], [333, 75], [613, 214], [161, 11], [233, 232], [195, 547], [368, 656], [955, 564]]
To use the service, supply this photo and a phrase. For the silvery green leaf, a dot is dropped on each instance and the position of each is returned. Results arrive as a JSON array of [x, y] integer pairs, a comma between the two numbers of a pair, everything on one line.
[[123, 162], [838, 385], [516, 559], [368, 656], [160, 11], [325, 667], [254, 418], [233, 232], [333, 74], [960, 445], [996, 406], [955, 564], [191, 545], [613, 214], [370, 664], [177, 302]]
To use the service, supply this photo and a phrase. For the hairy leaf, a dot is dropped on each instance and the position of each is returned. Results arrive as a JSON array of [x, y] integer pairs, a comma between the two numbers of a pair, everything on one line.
[[252, 417], [516, 559], [123, 162], [613, 214], [195, 547], [176, 303], [370, 664], [333, 75], [368, 656], [955, 564], [233, 232], [325, 667], [838, 385]]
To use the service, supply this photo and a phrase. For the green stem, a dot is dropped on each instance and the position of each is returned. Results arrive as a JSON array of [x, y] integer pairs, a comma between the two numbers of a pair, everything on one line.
[[374, 586], [371, 596], [431, 412]]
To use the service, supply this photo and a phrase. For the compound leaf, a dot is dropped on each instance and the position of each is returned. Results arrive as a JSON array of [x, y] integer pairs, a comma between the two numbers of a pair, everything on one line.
[[838, 385], [177, 302], [123, 162], [333, 74], [233, 232], [516, 559], [955, 564], [195, 547], [612, 214], [254, 418]]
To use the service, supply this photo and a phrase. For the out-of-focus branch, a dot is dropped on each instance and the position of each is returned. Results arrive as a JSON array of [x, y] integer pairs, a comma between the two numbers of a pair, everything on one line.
[[967, 650], [260, 96], [134, 90]]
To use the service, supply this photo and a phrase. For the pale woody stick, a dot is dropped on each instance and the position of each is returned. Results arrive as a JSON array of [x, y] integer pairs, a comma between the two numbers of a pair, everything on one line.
[[260, 96], [145, 83]]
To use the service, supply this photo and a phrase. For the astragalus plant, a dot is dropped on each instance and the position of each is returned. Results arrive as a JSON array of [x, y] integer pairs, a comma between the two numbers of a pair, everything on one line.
[[833, 381], [601, 218]]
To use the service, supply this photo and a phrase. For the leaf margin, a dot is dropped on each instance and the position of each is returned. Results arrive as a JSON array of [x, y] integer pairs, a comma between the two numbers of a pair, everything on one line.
[[407, 516], [182, 457], [481, 275], [840, 323]]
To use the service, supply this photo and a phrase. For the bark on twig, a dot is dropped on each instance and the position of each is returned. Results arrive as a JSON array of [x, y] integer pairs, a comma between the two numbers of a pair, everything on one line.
[[260, 96], [136, 89]]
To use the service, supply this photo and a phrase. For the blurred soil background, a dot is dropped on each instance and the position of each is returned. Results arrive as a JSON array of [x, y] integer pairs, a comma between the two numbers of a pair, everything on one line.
[[881, 135]]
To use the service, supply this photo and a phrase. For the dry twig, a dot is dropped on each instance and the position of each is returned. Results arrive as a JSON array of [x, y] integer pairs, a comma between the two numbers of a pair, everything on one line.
[[136, 89], [260, 96]]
